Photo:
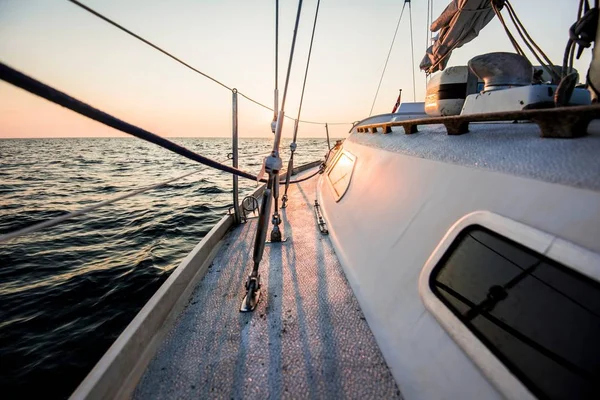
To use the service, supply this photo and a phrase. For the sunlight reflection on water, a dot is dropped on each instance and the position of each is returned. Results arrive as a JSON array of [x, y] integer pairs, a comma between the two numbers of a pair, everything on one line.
[[67, 292]]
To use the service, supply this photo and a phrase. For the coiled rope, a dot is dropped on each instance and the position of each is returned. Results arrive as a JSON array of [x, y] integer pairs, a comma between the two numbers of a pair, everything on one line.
[[581, 33]]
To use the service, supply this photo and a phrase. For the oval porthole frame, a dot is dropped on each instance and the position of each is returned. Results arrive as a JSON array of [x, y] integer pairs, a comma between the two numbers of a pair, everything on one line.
[[338, 196], [571, 255]]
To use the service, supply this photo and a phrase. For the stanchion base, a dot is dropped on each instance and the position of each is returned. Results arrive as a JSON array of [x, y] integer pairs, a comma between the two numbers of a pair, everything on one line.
[[283, 240], [252, 296]]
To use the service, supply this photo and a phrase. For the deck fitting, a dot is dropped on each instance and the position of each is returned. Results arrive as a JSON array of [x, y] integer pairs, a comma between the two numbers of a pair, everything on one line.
[[457, 127], [252, 295], [559, 122], [409, 129]]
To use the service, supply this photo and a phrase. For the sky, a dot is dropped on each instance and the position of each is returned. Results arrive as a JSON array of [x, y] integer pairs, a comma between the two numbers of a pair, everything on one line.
[[62, 45]]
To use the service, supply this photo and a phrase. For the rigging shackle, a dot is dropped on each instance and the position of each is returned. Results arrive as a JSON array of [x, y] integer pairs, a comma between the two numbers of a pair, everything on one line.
[[275, 116]]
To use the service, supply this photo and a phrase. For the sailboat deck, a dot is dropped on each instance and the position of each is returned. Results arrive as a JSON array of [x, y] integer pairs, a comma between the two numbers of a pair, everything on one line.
[[307, 337]]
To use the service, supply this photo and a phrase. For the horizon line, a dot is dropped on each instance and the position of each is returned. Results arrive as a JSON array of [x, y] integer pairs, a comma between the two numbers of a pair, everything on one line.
[[169, 137]]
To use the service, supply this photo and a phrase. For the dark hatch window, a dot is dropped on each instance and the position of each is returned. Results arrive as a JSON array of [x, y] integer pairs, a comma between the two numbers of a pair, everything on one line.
[[540, 318]]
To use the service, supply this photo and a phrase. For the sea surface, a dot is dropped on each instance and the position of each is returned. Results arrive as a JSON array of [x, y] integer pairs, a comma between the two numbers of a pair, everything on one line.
[[67, 292]]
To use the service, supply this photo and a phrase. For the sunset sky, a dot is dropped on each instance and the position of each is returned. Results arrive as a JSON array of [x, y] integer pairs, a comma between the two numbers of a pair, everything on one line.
[[233, 40]]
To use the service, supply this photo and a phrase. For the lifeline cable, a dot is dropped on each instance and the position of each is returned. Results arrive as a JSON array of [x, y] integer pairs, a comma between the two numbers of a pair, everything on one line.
[[38, 88], [158, 48], [138, 37]]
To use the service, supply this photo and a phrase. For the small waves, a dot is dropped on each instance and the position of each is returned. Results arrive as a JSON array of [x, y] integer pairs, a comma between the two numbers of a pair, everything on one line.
[[67, 292]]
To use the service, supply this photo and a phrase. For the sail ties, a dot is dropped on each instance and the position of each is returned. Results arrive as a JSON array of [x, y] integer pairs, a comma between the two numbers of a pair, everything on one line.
[[459, 23]]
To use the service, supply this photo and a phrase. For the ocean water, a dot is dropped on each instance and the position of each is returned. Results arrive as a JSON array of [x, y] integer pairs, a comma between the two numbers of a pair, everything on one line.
[[67, 292]]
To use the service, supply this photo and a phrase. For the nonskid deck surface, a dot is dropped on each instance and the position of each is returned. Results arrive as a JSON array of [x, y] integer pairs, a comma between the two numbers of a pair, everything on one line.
[[307, 337]]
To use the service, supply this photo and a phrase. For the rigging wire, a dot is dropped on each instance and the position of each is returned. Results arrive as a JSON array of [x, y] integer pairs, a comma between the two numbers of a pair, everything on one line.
[[291, 58], [412, 51], [387, 59], [31, 85], [514, 42], [427, 35], [312, 38], [38, 88], [155, 47], [295, 136], [518, 22], [85, 210], [177, 59], [276, 51], [276, 91], [530, 43]]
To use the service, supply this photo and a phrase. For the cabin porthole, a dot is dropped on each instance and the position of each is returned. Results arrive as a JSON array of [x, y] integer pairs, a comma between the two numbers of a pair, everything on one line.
[[527, 318], [340, 173]]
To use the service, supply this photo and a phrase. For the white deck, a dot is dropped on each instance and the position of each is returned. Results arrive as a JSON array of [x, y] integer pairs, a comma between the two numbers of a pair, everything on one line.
[[405, 195], [307, 338]]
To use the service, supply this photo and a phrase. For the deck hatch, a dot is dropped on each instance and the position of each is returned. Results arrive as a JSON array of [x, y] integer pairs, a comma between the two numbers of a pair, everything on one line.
[[340, 174], [538, 317]]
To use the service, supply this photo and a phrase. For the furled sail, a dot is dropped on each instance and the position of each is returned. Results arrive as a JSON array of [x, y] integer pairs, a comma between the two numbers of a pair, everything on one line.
[[459, 23]]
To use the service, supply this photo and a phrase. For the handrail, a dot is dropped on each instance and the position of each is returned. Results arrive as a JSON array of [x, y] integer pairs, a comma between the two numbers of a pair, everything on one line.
[[552, 121]]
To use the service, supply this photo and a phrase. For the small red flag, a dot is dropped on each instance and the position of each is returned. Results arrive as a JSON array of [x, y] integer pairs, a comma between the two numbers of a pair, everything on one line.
[[397, 102]]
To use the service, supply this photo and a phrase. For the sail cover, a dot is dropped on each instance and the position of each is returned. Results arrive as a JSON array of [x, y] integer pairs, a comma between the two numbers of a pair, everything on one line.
[[458, 24]]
